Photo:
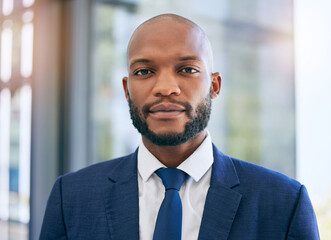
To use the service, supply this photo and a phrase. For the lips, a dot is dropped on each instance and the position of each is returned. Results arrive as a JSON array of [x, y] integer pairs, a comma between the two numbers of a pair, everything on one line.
[[166, 110]]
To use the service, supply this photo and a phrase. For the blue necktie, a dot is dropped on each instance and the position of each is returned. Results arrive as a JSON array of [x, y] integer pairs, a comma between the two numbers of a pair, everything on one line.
[[169, 219]]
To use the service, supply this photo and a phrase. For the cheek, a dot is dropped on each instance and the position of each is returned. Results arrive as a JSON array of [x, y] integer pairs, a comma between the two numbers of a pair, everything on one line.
[[198, 92], [137, 93], [140, 86], [200, 98]]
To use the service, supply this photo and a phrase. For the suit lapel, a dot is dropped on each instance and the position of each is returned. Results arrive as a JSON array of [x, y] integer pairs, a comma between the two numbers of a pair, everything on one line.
[[222, 202], [121, 200]]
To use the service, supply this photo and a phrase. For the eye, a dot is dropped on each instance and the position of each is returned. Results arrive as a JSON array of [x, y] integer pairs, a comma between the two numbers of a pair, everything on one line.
[[142, 72], [189, 70]]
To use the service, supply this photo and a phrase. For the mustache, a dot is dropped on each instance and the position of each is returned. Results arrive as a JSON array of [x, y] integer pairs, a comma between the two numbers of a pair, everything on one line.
[[146, 108]]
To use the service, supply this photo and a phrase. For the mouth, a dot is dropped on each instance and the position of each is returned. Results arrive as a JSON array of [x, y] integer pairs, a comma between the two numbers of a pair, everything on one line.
[[164, 110]]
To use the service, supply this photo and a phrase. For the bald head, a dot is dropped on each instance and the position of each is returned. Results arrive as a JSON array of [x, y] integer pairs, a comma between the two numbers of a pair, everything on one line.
[[173, 17], [177, 29]]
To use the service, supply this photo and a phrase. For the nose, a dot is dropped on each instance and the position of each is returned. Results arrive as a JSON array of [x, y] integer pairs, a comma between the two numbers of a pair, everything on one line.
[[166, 84]]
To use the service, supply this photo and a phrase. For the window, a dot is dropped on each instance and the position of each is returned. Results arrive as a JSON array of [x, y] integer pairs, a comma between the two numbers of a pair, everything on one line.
[[16, 61]]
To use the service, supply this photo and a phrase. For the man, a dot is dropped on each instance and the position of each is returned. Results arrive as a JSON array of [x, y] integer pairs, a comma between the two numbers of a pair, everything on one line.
[[169, 89]]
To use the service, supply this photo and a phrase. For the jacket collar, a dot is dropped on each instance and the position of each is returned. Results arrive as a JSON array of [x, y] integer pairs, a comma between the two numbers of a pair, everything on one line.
[[121, 199], [222, 201]]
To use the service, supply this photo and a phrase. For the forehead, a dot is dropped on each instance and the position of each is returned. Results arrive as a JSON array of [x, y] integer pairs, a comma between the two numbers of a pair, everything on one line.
[[167, 38]]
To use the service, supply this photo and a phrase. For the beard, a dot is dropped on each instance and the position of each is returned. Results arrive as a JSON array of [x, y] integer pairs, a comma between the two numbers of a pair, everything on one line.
[[198, 121]]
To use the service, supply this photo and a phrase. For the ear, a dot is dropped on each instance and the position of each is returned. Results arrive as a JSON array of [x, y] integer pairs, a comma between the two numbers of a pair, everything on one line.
[[125, 87], [216, 83]]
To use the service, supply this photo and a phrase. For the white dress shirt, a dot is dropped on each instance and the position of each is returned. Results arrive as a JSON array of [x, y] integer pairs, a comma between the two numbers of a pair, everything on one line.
[[193, 192]]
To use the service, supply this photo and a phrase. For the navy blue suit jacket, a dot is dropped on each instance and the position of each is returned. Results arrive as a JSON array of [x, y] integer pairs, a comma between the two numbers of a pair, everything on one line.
[[244, 201]]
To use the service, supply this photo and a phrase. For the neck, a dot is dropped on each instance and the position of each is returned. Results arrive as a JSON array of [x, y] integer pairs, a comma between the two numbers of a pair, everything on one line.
[[173, 156]]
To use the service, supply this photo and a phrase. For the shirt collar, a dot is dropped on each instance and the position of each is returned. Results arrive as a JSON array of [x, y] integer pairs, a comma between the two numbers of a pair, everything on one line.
[[196, 165]]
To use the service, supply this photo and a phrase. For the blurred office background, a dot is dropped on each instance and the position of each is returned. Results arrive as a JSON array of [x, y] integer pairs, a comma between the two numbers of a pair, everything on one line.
[[62, 105]]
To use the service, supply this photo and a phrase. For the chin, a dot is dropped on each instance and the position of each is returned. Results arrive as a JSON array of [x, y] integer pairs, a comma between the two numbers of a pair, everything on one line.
[[167, 131], [166, 128]]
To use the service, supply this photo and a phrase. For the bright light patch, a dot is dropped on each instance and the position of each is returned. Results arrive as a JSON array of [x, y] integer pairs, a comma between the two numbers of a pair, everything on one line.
[[6, 54], [28, 3], [4, 152], [7, 7], [27, 50], [27, 17]]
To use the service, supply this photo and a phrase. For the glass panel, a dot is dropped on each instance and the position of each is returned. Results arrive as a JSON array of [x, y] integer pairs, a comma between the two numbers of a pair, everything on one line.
[[15, 123], [260, 84], [7, 7], [27, 50], [14, 157], [5, 109], [252, 50], [111, 33], [24, 154], [6, 51], [15, 161]]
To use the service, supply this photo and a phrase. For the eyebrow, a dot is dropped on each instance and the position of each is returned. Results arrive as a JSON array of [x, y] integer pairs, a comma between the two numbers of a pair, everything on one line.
[[145, 60], [189, 58], [140, 60]]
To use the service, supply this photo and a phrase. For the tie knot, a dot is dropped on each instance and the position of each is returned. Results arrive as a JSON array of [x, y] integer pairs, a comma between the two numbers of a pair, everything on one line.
[[172, 178]]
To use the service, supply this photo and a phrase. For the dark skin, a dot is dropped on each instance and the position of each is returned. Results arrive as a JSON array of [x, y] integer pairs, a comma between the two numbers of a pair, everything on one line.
[[168, 59]]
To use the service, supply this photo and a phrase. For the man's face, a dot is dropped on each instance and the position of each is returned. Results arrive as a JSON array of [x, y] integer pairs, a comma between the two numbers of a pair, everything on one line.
[[170, 84]]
